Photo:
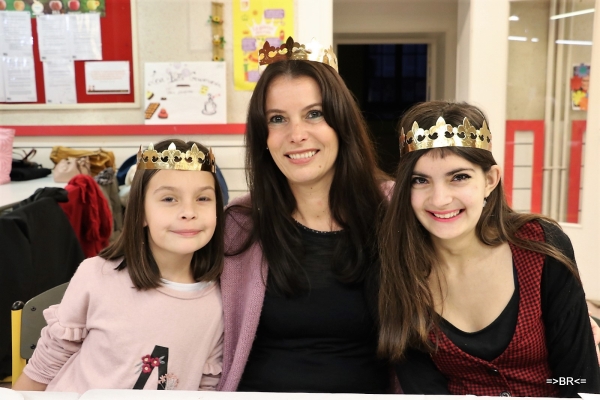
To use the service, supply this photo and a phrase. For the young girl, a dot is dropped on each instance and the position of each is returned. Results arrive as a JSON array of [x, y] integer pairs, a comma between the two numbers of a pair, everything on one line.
[[476, 298], [146, 313]]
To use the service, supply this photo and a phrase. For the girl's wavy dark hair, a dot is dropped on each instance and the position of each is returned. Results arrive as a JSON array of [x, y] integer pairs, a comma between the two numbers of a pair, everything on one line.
[[132, 244], [406, 309]]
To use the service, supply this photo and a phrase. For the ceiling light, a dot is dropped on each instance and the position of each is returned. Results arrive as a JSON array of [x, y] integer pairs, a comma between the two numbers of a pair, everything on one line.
[[573, 14], [518, 38], [580, 42], [513, 18], [535, 40]]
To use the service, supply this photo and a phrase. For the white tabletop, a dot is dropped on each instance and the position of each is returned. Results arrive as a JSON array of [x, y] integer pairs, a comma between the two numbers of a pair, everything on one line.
[[15, 191], [107, 394], [49, 396]]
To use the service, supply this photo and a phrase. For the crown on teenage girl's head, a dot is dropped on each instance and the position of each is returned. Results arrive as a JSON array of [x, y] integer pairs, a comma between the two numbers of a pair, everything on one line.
[[191, 160], [445, 135], [291, 50]]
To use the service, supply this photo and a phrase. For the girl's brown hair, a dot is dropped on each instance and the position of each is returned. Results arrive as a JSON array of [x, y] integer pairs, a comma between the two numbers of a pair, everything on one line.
[[354, 196], [406, 308], [132, 244]]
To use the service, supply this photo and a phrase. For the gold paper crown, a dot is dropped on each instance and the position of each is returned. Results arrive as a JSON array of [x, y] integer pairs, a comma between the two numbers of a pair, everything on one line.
[[291, 50], [192, 160], [445, 135]]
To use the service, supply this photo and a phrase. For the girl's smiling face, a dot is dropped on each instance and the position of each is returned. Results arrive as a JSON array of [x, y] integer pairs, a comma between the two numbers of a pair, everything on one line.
[[180, 213], [447, 194]]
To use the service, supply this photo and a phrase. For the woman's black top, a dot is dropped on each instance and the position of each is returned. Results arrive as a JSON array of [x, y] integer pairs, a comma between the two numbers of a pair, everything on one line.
[[568, 333], [322, 341]]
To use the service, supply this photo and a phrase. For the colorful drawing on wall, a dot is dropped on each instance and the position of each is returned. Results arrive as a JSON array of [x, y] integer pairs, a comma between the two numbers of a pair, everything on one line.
[[39, 7], [254, 22], [580, 83], [185, 93]]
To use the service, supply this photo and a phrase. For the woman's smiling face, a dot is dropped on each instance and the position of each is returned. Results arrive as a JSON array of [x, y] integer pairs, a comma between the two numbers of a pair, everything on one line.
[[302, 144], [447, 194]]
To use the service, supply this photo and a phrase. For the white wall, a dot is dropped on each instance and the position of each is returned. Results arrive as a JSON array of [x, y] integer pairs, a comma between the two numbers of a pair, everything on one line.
[[483, 61], [228, 151]]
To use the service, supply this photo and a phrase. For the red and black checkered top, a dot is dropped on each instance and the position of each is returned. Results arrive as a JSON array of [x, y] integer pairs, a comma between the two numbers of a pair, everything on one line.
[[522, 369]]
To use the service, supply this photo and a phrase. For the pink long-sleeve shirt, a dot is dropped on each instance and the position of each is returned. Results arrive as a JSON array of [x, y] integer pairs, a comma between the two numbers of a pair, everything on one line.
[[97, 337]]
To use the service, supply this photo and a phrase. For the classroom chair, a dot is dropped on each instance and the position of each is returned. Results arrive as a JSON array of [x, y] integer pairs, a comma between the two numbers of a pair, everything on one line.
[[27, 321]]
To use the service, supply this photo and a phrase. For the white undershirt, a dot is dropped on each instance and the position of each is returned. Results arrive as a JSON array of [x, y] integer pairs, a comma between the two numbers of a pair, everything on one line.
[[185, 287]]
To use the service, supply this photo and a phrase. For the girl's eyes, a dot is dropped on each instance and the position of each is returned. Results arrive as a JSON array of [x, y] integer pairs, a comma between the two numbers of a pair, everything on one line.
[[461, 177], [169, 199], [417, 180]]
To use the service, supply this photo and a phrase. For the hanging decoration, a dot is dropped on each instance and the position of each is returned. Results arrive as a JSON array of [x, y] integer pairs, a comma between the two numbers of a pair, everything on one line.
[[218, 40]]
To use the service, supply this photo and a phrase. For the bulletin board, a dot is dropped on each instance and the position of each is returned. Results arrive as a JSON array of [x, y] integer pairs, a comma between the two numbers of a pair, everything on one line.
[[118, 30]]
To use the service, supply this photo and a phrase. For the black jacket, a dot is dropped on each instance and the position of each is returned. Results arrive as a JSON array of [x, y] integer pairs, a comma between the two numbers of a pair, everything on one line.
[[38, 250]]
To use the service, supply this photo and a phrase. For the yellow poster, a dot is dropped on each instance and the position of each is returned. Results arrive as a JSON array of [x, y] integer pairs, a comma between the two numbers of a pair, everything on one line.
[[254, 22]]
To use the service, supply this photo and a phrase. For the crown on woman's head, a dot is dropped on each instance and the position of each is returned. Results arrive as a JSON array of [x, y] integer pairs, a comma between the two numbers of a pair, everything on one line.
[[192, 160], [291, 50], [445, 135]]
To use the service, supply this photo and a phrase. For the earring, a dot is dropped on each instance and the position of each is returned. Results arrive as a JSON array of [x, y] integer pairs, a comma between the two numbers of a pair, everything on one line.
[[267, 147], [484, 201]]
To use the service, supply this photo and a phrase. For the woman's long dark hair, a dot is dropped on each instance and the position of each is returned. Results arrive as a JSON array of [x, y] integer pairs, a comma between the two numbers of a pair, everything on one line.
[[133, 244], [406, 308], [354, 197]]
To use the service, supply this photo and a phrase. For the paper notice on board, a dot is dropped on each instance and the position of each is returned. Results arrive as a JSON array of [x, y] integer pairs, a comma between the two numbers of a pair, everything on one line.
[[84, 30], [74, 36], [19, 79], [107, 77], [16, 39], [53, 38], [59, 81]]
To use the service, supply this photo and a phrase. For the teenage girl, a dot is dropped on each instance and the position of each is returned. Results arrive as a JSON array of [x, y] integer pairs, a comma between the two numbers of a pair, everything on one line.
[[476, 298]]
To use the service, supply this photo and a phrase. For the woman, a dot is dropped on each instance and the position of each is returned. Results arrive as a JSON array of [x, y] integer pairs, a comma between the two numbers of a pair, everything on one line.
[[475, 298], [300, 246]]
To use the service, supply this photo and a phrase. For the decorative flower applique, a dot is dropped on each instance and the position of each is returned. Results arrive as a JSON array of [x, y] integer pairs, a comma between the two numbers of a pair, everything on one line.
[[168, 381], [148, 363]]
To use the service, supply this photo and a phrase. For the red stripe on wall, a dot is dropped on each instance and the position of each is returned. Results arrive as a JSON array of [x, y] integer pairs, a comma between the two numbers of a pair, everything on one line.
[[509, 159], [576, 144], [537, 173], [121, 130], [537, 127]]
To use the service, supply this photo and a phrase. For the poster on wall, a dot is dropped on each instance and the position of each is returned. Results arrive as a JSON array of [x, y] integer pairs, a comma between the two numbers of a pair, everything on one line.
[[254, 22], [580, 83], [185, 93], [54, 7]]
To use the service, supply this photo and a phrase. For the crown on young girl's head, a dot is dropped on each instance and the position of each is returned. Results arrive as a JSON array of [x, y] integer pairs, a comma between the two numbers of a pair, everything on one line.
[[291, 50], [192, 160], [445, 135]]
